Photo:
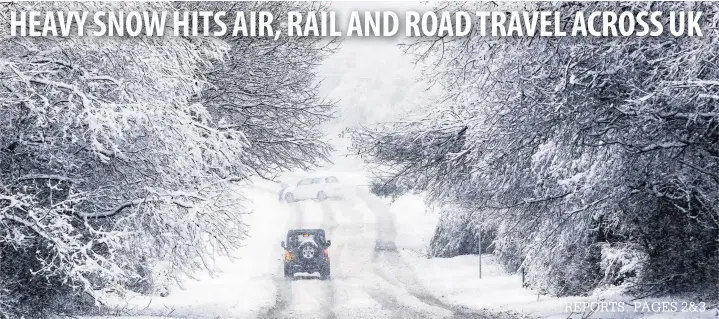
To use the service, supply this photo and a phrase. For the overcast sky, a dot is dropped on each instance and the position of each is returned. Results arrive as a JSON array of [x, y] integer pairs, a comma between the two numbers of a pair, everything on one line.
[[370, 76]]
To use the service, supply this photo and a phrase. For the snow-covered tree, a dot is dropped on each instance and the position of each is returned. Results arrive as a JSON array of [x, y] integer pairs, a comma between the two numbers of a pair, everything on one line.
[[115, 170], [268, 89], [575, 150]]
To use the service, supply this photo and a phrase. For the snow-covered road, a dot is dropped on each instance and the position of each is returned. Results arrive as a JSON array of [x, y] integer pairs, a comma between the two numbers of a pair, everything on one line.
[[376, 271], [369, 277]]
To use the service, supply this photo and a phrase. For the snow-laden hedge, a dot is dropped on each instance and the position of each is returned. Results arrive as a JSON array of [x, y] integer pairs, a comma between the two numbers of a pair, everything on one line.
[[457, 233]]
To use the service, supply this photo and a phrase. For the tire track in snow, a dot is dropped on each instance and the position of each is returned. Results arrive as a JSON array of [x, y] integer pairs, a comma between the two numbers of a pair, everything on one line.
[[283, 286], [328, 222], [361, 281], [390, 295], [397, 271], [282, 300], [350, 231]]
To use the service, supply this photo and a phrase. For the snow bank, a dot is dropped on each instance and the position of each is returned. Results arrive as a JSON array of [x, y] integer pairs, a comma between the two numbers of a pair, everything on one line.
[[456, 281]]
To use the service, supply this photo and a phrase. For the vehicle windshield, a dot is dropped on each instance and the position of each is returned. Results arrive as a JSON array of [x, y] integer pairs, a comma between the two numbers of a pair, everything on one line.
[[305, 181], [331, 179]]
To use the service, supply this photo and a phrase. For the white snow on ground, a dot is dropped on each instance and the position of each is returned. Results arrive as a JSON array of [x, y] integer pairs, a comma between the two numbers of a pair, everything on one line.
[[365, 283], [353, 240], [243, 287], [456, 280], [415, 223]]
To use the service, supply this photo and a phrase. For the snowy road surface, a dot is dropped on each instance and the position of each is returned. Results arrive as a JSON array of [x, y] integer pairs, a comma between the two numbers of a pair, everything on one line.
[[369, 277], [376, 271]]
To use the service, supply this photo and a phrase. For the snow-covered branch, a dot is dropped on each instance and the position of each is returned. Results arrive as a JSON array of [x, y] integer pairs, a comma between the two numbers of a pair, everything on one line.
[[571, 144]]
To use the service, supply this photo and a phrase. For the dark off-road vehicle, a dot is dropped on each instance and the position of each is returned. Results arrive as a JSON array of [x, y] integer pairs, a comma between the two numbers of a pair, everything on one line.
[[306, 251]]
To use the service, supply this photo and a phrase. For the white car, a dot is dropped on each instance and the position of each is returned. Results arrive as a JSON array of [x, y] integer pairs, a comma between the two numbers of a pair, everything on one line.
[[319, 188]]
